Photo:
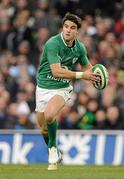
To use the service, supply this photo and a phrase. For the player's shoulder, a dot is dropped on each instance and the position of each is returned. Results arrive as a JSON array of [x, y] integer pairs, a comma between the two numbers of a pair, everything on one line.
[[80, 45], [54, 40]]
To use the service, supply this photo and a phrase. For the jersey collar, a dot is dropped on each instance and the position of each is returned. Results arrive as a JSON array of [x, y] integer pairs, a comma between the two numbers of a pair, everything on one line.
[[63, 40]]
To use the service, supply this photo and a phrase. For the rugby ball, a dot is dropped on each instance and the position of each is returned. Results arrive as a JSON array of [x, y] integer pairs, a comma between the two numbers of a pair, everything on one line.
[[100, 69]]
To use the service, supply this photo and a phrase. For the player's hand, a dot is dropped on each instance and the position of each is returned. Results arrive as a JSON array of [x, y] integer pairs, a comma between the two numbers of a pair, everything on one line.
[[89, 75]]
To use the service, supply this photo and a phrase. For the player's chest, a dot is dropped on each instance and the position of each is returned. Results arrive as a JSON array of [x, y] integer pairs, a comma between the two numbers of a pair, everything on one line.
[[69, 55]]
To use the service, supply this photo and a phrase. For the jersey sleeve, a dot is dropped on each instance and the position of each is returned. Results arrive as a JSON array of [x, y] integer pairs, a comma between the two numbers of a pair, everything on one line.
[[52, 52], [83, 60]]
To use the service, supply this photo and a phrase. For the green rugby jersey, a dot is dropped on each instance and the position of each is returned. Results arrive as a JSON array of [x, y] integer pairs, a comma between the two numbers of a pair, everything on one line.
[[56, 51]]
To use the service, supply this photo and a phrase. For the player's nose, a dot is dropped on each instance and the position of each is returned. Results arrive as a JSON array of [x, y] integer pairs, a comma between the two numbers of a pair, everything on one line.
[[68, 30]]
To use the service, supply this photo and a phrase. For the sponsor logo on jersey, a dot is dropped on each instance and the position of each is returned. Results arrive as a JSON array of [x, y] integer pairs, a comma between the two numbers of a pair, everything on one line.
[[74, 60], [58, 79]]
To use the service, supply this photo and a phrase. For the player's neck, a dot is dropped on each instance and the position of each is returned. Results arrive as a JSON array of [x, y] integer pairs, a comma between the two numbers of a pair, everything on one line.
[[70, 43]]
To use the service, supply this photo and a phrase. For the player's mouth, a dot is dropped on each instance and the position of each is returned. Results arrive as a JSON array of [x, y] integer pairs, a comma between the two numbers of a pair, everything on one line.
[[67, 35]]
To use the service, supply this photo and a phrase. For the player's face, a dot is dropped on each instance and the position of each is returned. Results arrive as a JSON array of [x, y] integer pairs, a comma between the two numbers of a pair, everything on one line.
[[70, 30]]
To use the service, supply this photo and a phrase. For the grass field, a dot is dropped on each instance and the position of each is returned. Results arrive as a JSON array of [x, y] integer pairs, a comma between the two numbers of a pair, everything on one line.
[[63, 172]]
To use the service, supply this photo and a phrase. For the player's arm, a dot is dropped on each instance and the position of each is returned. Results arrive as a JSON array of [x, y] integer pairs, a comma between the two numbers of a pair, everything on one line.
[[54, 60], [59, 72]]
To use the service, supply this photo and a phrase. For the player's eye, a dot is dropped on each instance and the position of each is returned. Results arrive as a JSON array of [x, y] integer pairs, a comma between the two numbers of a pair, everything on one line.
[[73, 27], [66, 26]]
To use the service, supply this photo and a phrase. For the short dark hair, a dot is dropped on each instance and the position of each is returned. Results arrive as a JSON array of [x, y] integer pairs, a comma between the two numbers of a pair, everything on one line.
[[72, 17]]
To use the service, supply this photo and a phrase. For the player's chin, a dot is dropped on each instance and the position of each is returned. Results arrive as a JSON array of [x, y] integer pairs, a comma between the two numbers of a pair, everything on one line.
[[68, 38]]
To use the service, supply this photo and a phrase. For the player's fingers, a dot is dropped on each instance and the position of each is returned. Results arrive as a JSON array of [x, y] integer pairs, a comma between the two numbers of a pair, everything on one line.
[[97, 75], [96, 78]]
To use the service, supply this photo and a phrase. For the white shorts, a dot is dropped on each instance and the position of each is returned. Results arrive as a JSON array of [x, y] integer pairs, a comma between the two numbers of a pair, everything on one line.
[[44, 95]]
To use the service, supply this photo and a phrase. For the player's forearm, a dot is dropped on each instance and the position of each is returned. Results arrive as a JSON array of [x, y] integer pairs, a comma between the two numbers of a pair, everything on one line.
[[64, 73], [59, 72]]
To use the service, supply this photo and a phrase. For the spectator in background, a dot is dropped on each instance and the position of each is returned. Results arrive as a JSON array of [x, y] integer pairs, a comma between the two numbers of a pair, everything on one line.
[[111, 39], [3, 106], [7, 5], [108, 97], [119, 101], [69, 118], [22, 69], [21, 29], [6, 34], [30, 98], [42, 35], [119, 29], [23, 115], [113, 118], [24, 48], [46, 17], [81, 102], [110, 58], [9, 82], [100, 119], [113, 77], [11, 118], [87, 120], [4, 101], [20, 5]]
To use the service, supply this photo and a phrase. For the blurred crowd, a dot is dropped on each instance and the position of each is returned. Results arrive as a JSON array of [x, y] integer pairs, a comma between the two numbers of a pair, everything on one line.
[[25, 25]]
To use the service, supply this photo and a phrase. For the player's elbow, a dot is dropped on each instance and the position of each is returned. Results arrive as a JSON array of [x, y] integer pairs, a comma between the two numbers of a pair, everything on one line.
[[56, 70], [55, 74]]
